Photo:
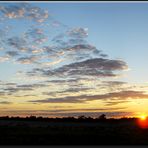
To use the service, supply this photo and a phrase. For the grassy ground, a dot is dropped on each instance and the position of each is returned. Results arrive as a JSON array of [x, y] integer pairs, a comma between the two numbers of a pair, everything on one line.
[[72, 133]]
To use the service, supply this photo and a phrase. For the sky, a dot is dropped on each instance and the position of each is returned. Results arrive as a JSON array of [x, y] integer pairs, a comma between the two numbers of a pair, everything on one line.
[[71, 59]]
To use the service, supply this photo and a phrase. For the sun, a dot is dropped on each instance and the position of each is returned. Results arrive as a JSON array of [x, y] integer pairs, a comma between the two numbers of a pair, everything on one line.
[[143, 121], [143, 117]]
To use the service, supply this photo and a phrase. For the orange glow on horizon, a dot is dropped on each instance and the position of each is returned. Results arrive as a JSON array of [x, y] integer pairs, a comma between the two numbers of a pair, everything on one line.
[[143, 121]]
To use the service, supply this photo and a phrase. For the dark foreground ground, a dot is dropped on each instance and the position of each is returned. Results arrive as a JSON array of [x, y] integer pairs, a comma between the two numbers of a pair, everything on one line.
[[20, 132]]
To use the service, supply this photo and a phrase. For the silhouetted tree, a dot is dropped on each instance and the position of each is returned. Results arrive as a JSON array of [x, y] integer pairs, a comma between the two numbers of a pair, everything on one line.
[[81, 117], [102, 117], [32, 117], [40, 118]]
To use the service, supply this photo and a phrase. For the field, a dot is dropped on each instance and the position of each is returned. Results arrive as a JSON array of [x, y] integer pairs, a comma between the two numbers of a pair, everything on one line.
[[72, 132]]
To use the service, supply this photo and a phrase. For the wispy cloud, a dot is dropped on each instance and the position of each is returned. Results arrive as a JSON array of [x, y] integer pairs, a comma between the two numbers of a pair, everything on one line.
[[5, 102], [28, 60], [24, 10], [36, 35], [116, 102], [78, 32], [122, 95], [74, 113], [4, 58], [14, 88], [93, 67], [18, 43], [12, 53]]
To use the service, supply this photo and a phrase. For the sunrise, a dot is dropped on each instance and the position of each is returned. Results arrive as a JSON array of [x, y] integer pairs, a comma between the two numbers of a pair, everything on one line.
[[79, 60]]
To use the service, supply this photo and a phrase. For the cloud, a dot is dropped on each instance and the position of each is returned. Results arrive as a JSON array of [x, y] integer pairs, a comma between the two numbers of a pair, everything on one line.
[[12, 53], [12, 11], [8, 84], [111, 103], [69, 90], [52, 50], [58, 37], [53, 63], [111, 86], [36, 13], [28, 60], [4, 58], [77, 41], [122, 95], [86, 110], [40, 72], [56, 23], [93, 67], [112, 113], [36, 35], [10, 90], [93, 114], [78, 32], [114, 83], [64, 81], [74, 90], [68, 99], [63, 40], [36, 51], [103, 55], [24, 10], [83, 47], [5, 102], [126, 94], [2, 93], [31, 86], [17, 42]]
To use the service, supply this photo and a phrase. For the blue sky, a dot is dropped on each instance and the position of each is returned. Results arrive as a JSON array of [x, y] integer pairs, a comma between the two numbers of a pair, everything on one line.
[[119, 29], [101, 48]]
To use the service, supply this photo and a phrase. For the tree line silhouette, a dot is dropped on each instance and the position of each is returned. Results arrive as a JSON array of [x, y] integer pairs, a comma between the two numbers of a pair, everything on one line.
[[81, 118], [81, 130]]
